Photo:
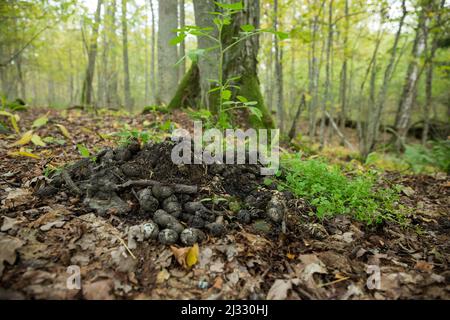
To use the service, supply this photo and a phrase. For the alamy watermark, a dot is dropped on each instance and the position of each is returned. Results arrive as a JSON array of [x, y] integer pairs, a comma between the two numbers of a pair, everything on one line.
[[232, 147], [73, 281], [374, 280]]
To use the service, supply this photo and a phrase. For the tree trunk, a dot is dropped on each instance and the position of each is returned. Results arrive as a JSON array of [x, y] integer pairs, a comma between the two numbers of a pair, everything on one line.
[[343, 89], [301, 106], [327, 95], [241, 61], [126, 71], [373, 116], [167, 53], [153, 54], [207, 65], [86, 95], [429, 70], [410, 87], [314, 73], [146, 59], [182, 69], [278, 68]]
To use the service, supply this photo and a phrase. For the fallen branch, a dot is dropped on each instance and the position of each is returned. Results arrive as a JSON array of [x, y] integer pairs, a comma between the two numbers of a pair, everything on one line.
[[177, 188], [69, 182], [339, 133]]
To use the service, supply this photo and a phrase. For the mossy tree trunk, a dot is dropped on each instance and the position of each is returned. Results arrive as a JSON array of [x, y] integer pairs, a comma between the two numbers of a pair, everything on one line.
[[240, 60]]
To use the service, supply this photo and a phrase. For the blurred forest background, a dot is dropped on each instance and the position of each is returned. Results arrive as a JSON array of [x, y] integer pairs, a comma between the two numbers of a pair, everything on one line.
[[359, 65]]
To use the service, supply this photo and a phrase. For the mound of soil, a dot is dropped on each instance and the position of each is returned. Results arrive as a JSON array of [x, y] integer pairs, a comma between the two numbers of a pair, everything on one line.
[[171, 202]]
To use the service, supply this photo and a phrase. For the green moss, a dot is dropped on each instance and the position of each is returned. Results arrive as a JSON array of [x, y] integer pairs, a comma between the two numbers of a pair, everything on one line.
[[251, 90], [188, 90]]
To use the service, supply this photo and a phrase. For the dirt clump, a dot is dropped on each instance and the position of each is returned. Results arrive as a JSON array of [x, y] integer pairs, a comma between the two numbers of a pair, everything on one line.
[[142, 185]]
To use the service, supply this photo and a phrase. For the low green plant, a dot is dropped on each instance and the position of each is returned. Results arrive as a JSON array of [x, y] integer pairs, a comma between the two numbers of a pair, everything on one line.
[[127, 135], [423, 159], [331, 192], [155, 109], [157, 132]]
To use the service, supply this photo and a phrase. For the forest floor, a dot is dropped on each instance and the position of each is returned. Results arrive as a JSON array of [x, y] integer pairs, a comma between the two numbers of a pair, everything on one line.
[[41, 236]]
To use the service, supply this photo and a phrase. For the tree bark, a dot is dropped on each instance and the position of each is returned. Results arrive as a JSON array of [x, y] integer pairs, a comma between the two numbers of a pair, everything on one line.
[[314, 72], [240, 60], [182, 69], [327, 95], [126, 77], [86, 95], [153, 54], [167, 53], [374, 114], [278, 68], [429, 70], [343, 89], [410, 86]]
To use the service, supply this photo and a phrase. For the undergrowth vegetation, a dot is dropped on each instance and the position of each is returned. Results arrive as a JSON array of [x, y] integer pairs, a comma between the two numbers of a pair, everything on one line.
[[331, 191]]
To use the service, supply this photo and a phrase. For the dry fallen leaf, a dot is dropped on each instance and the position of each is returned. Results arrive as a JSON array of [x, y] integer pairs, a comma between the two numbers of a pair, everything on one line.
[[290, 256], [218, 283], [180, 255], [423, 266], [17, 197], [186, 257], [9, 223], [279, 290], [99, 290], [162, 276], [8, 247]]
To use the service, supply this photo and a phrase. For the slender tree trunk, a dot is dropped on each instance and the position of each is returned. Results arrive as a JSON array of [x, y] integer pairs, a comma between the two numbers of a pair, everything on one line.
[[182, 69], [429, 71], [410, 87], [315, 72], [112, 92], [374, 112], [269, 83], [153, 55], [327, 95], [146, 59], [301, 106], [207, 65], [126, 71], [278, 69], [343, 89], [71, 80], [86, 95], [20, 78], [167, 53], [293, 89]]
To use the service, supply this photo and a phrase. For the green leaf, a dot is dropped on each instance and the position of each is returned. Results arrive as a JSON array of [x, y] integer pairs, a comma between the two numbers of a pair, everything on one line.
[[37, 141], [247, 28], [39, 122], [177, 39], [226, 94], [282, 35], [242, 99], [195, 53], [230, 6], [256, 112], [214, 90], [83, 151], [251, 103]]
